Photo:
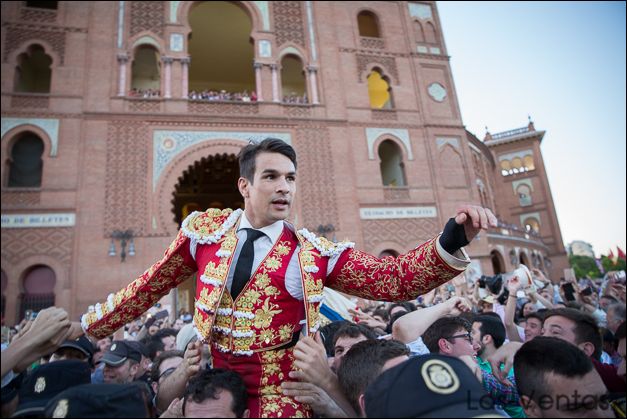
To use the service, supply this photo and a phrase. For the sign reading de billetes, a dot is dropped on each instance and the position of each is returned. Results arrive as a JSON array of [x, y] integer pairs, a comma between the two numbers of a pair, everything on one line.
[[38, 220], [397, 212]]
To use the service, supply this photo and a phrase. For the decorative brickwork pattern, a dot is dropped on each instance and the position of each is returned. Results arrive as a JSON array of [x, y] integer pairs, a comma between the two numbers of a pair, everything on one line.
[[363, 60], [288, 22], [147, 16], [452, 164], [384, 115], [127, 177], [317, 187], [20, 243], [144, 105], [17, 34], [30, 101], [371, 43], [410, 232], [297, 111], [15, 199], [223, 108], [38, 15], [396, 194]]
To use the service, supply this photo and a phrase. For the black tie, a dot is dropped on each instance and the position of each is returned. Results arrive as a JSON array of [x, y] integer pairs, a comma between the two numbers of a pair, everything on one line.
[[244, 266]]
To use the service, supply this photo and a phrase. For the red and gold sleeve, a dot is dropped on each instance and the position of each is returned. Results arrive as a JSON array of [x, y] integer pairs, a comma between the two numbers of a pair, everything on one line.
[[132, 301], [391, 278]]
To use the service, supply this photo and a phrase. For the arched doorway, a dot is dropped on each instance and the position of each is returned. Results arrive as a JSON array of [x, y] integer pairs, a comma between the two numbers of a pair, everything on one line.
[[210, 182], [38, 286], [524, 259], [498, 264]]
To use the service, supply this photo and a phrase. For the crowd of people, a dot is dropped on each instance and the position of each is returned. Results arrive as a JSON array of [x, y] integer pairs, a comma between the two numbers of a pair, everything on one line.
[[144, 93], [223, 95], [466, 348]]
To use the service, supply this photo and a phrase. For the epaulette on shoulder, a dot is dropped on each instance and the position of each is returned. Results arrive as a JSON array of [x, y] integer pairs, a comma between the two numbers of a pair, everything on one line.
[[209, 226], [324, 245]]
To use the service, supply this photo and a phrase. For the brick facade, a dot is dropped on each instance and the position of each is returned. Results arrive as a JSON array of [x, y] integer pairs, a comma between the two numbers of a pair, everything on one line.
[[105, 161]]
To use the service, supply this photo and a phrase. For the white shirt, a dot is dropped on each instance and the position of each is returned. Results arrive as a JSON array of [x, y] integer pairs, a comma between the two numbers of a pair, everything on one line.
[[293, 281]]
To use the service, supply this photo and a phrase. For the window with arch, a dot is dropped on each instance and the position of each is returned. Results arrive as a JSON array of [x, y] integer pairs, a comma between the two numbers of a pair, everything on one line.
[[222, 52], [419, 31], [524, 195], [146, 72], [531, 224], [368, 24], [516, 165], [25, 163], [379, 90], [431, 36], [498, 264], [33, 72], [38, 286], [391, 164], [293, 82]]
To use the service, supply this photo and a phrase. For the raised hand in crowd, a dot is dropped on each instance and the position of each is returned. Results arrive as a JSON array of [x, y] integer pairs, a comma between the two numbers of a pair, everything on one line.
[[174, 410], [504, 355], [367, 319], [312, 367], [321, 403], [173, 386], [412, 325], [38, 338]]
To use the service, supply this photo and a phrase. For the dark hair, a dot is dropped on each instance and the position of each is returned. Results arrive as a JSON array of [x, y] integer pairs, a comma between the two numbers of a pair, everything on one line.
[[208, 383], [443, 328], [586, 328], [493, 327], [363, 363], [383, 313], [536, 315], [408, 306], [354, 330], [545, 355], [248, 155], [162, 333], [521, 311], [620, 332], [327, 334], [609, 297], [619, 310], [154, 371]]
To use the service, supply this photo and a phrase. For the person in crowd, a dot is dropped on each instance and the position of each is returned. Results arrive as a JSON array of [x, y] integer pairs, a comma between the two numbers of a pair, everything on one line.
[[616, 315], [556, 379], [427, 386], [488, 334], [217, 393], [581, 330], [363, 363], [345, 338], [121, 363]]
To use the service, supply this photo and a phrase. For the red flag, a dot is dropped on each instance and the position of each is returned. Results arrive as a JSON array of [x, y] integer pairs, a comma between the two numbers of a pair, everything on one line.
[[610, 255], [621, 254]]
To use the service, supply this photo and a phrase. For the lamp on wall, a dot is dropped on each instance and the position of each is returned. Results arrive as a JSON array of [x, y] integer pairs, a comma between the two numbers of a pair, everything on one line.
[[125, 237]]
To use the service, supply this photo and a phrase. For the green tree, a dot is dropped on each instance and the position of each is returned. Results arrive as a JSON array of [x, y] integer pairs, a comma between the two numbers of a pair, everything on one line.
[[584, 266], [609, 265]]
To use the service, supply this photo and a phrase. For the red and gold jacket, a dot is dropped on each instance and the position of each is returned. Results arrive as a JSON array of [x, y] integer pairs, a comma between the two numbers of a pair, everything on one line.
[[265, 315]]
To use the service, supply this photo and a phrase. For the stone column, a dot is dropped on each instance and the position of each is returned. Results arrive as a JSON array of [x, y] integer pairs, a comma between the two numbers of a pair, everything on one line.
[[167, 75], [257, 67], [185, 77], [313, 84], [122, 60], [275, 83]]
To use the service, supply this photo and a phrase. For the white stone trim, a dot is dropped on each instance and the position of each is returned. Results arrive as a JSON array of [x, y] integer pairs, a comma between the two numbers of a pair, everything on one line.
[[373, 134]]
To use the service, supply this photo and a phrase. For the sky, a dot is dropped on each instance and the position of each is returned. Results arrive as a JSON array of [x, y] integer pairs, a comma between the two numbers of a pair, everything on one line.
[[563, 64]]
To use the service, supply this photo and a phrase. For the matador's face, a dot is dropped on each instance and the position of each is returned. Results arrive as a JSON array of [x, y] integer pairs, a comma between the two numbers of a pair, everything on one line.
[[269, 197]]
